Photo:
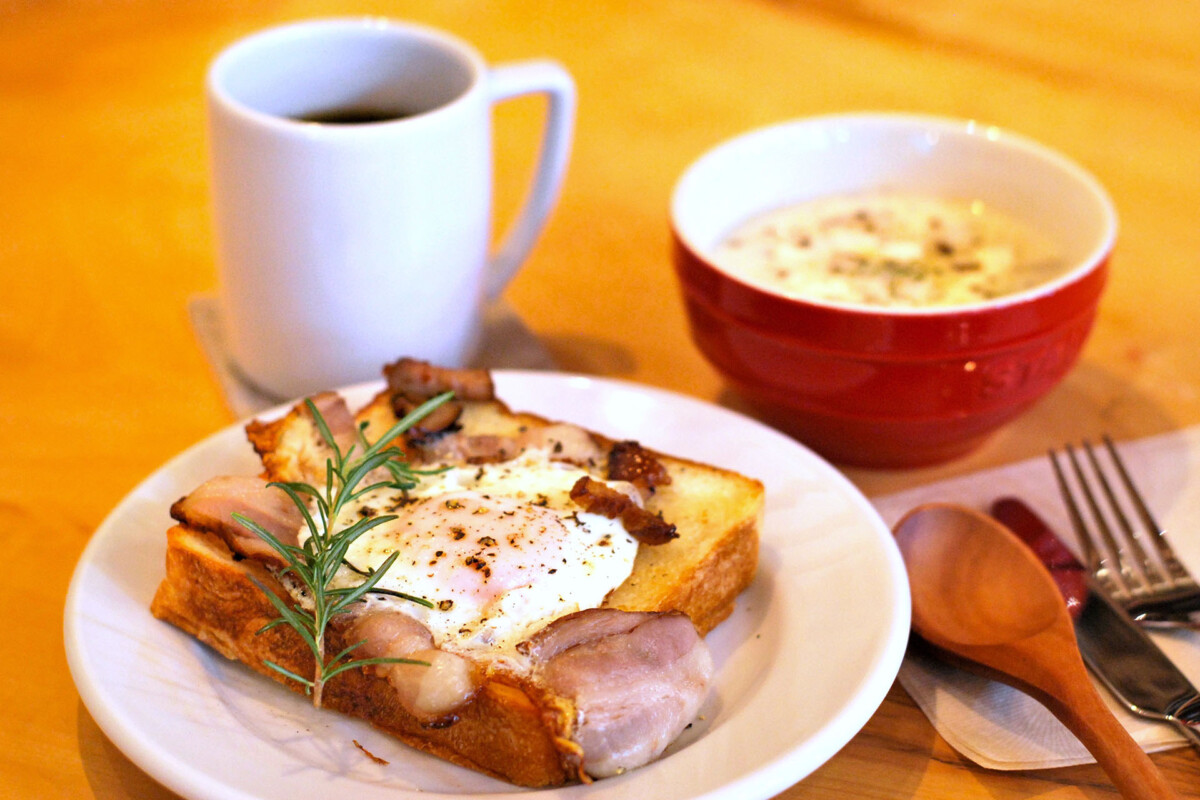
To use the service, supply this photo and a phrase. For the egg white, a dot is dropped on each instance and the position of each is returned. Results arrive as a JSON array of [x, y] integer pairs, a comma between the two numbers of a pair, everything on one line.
[[500, 550]]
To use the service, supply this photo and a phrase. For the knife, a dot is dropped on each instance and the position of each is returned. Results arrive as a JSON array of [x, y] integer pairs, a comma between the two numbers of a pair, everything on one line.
[[1118, 652]]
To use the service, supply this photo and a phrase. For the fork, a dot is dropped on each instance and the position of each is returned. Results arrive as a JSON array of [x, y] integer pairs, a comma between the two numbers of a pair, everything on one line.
[[1157, 590]]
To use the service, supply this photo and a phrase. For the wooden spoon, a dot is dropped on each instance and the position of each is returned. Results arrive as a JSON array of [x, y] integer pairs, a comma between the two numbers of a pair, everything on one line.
[[981, 597]]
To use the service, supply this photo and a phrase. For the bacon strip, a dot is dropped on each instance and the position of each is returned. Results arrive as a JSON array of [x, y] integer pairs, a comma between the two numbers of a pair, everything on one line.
[[565, 442], [637, 679], [629, 461], [433, 691], [420, 380], [211, 506], [412, 382], [291, 447], [581, 626], [333, 409], [440, 419], [596, 497]]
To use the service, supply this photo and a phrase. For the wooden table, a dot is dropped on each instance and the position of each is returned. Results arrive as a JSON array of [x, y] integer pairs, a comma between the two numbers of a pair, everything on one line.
[[105, 233]]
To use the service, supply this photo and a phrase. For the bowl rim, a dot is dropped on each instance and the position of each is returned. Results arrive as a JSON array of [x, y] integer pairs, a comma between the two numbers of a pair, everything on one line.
[[871, 332], [1097, 257]]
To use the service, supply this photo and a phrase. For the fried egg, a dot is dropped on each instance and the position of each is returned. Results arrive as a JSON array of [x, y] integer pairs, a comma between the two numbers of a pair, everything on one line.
[[500, 550]]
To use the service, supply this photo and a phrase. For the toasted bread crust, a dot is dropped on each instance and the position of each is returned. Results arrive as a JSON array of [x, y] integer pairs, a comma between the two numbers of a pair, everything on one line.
[[510, 730]]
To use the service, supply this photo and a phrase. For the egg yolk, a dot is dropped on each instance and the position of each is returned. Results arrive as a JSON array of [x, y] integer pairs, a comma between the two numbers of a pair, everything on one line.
[[466, 547]]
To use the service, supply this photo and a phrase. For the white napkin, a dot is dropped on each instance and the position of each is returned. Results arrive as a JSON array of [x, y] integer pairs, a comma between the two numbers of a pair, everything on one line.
[[507, 343], [999, 727]]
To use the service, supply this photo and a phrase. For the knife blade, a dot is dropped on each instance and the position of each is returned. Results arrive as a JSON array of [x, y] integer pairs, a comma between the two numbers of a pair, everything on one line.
[[1117, 651]]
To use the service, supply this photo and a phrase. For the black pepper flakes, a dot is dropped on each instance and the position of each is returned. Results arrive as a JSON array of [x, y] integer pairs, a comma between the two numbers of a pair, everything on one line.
[[479, 565]]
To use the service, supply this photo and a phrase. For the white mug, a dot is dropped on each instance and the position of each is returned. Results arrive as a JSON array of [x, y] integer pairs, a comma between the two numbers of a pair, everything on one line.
[[352, 183]]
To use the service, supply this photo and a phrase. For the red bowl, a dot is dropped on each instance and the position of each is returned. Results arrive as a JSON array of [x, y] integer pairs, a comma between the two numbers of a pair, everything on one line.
[[875, 386]]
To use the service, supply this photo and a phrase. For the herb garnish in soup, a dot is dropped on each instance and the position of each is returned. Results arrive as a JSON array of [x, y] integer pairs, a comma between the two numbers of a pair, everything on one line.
[[889, 250]]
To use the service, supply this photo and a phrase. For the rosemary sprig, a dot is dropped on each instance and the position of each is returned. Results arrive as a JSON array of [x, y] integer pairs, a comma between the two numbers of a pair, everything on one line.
[[315, 563]]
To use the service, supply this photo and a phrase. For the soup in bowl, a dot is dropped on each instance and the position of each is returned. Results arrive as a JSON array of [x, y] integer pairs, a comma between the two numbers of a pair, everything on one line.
[[890, 289]]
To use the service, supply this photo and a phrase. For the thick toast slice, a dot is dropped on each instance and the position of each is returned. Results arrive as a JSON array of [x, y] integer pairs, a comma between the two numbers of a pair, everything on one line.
[[512, 729], [509, 731]]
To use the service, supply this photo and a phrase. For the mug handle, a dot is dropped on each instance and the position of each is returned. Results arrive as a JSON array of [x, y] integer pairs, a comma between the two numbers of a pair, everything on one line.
[[513, 80]]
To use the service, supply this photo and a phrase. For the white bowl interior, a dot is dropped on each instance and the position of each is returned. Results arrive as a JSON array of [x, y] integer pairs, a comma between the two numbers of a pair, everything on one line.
[[796, 161]]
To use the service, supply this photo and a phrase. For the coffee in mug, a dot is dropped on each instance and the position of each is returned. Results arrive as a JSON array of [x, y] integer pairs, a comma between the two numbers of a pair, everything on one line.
[[352, 185]]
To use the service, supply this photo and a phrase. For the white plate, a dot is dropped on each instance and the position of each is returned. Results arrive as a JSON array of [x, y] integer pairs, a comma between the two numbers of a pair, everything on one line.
[[802, 664]]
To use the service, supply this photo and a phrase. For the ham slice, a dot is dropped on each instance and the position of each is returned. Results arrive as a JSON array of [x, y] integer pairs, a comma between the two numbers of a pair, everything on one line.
[[637, 680]]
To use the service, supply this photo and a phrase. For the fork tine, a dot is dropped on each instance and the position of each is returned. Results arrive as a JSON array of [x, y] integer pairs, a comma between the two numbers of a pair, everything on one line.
[[1098, 560], [1176, 572], [1149, 597], [1091, 555], [1151, 575], [1111, 555]]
